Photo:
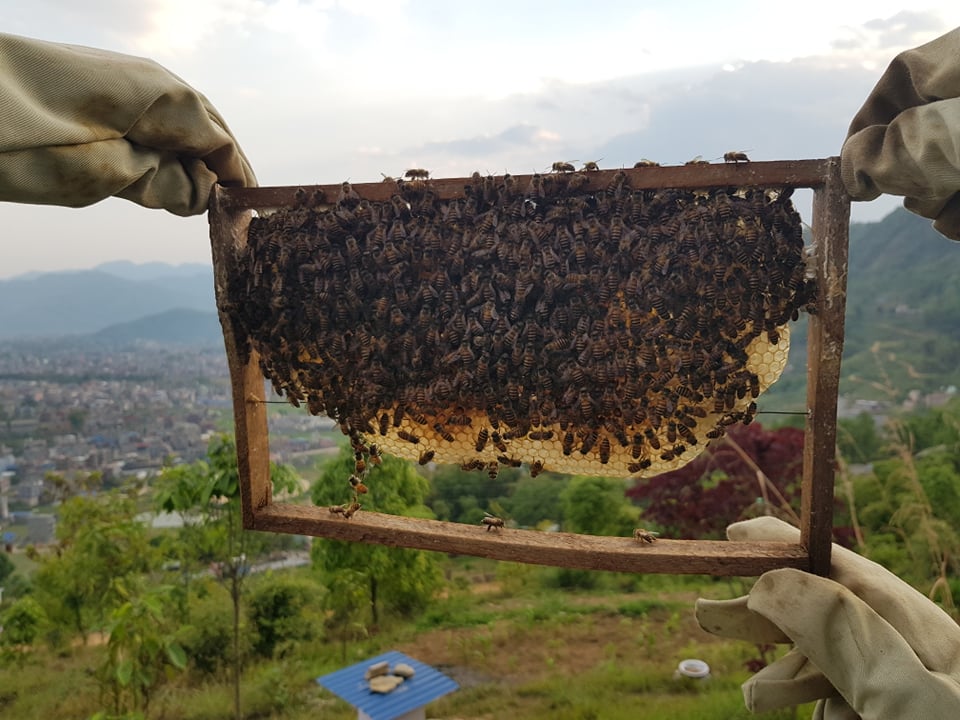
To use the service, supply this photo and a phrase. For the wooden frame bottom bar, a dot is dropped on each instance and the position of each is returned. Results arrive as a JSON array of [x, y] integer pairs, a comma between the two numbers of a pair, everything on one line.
[[569, 550]]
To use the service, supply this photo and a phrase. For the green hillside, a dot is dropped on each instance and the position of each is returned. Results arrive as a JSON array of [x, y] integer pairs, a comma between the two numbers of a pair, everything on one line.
[[903, 316]]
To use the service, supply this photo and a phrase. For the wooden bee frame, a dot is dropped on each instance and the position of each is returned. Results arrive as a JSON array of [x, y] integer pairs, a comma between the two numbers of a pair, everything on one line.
[[230, 214]]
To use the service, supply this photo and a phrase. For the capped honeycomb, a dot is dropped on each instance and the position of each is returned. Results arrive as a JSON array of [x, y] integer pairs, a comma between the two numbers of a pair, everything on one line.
[[609, 332]]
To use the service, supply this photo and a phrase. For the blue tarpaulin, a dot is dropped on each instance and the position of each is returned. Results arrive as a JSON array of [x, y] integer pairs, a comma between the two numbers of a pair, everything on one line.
[[426, 685]]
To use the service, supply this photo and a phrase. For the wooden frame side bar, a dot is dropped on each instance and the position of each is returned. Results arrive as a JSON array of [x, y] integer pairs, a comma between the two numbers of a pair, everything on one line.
[[831, 229], [228, 235]]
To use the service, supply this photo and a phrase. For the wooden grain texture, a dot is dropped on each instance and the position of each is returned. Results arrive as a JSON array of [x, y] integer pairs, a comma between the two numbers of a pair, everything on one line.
[[780, 173], [831, 226], [228, 233], [584, 552]]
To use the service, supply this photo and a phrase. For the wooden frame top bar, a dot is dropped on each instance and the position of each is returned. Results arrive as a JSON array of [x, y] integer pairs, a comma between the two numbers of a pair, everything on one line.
[[229, 216], [780, 173]]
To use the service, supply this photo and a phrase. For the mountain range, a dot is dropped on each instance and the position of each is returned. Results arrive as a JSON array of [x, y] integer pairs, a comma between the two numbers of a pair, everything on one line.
[[902, 325]]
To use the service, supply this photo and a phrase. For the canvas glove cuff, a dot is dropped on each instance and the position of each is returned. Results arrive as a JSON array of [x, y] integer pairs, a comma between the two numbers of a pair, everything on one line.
[[866, 644], [78, 125], [905, 140]]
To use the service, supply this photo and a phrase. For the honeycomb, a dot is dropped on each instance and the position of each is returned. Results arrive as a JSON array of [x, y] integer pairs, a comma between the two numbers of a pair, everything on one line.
[[611, 332]]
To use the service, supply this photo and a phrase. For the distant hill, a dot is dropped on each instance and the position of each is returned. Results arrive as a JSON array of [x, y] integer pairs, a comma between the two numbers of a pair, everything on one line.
[[902, 329], [902, 325], [173, 327], [86, 301], [152, 270]]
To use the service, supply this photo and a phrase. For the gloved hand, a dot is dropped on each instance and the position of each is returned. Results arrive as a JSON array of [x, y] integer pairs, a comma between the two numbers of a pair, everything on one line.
[[905, 140], [78, 125], [866, 644]]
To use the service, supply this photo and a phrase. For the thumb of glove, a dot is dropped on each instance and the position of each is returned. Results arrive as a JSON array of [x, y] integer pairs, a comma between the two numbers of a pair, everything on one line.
[[863, 656]]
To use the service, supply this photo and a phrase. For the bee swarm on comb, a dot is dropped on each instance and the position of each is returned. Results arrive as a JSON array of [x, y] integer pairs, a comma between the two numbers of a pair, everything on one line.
[[611, 332]]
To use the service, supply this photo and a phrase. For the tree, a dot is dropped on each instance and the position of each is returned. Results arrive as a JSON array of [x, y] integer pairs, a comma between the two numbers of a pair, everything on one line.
[[22, 623], [99, 541], [597, 506], [858, 440], [212, 488], [750, 471], [6, 567], [140, 650], [279, 611], [537, 499], [398, 579], [461, 496]]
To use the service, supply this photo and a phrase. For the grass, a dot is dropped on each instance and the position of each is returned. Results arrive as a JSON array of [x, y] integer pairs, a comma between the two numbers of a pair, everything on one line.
[[531, 652]]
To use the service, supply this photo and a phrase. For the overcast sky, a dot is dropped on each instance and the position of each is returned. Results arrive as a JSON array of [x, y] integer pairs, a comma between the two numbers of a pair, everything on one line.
[[323, 91]]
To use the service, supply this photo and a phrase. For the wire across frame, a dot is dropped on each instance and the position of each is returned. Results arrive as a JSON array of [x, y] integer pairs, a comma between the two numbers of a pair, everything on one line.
[[230, 214]]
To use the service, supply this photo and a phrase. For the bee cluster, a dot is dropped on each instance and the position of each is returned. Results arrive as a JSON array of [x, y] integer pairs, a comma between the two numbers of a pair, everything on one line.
[[606, 332]]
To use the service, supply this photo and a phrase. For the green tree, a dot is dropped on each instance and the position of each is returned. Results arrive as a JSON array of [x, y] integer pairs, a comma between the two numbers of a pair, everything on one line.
[[397, 579], [460, 496], [279, 610], [537, 499], [6, 567], [218, 502], [99, 541], [22, 624], [141, 649], [598, 506], [858, 439]]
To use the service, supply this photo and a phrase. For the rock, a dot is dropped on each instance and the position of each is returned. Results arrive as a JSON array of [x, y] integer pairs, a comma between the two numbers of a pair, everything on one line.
[[384, 683], [403, 670], [380, 668]]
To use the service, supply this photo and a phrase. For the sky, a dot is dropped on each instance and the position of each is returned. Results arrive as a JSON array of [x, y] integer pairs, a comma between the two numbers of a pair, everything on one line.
[[331, 90]]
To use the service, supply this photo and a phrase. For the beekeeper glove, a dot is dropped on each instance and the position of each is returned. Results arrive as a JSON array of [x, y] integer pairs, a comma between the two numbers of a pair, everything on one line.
[[866, 644], [78, 125], [905, 140]]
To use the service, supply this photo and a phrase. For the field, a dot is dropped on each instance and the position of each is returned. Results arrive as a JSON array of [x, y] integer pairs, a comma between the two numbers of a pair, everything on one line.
[[518, 645]]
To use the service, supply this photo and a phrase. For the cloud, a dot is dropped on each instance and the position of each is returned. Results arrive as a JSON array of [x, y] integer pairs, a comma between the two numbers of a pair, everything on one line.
[[885, 37]]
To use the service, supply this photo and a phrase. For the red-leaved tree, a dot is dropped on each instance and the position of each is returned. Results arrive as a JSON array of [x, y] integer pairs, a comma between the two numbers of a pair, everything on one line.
[[749, 472]]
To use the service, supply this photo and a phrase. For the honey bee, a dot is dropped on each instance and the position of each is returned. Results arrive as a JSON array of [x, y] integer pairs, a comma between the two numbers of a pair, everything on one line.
[[426, 456], [417, 174], [347, 194], [350, 511], [509, 461], [493, 469], [562, 167], [491, 521], [640, 465], [590, 166], [568, 440], [375, 456], [735, 156], [482, 438], [358, 485], [645, 163], [408, 436], [652, 438], [472, 465], [498, 442], [536, 467], [337, 509], [540, 434], [645, 536], [359, 464], [604, 450], [698, 160], [443, 432]]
